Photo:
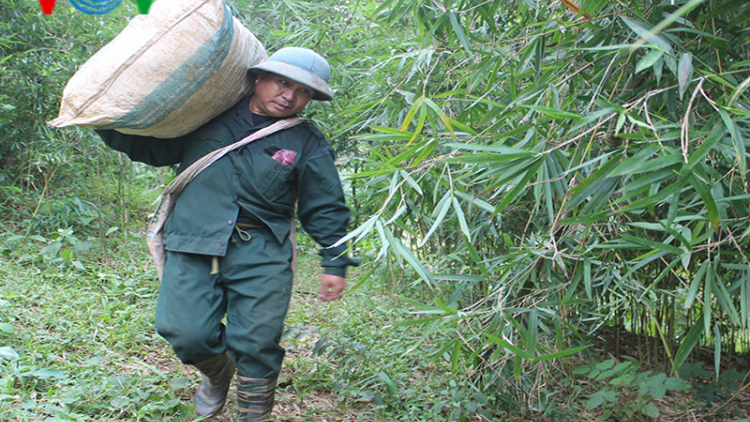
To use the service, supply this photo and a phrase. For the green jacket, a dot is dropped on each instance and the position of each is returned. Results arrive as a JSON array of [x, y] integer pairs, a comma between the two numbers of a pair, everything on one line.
[[260, 178]]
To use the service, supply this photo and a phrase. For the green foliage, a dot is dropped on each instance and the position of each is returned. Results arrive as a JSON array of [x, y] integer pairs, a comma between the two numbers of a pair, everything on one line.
[[559, 174], [627, 392], [75, 346], [707, 386], [56, 179], [361, 357]]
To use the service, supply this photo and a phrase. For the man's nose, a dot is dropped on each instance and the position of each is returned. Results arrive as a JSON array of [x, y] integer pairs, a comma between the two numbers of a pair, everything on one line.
[[288, 94]]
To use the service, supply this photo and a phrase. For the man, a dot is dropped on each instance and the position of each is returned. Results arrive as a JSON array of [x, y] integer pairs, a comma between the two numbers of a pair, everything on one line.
[[227, 239]]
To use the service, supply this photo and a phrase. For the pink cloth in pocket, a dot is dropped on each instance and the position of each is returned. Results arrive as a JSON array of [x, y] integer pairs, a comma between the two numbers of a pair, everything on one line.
[[285, 157]]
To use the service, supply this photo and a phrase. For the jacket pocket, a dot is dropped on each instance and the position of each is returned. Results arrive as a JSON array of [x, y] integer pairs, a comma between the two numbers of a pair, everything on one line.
[[275, 181]]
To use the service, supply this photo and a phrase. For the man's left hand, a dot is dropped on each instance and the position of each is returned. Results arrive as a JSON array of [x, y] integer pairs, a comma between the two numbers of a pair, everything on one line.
[[331, 287]]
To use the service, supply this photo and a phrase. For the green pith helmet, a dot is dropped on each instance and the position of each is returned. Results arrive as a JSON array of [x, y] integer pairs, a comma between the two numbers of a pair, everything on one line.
[[300, 65]]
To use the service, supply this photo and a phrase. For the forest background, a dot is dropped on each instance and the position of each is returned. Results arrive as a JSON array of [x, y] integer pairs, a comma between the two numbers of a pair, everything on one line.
[[551, 205]]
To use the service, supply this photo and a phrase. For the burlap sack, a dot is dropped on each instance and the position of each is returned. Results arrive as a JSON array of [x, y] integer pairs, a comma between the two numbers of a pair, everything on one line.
[[166, 73]]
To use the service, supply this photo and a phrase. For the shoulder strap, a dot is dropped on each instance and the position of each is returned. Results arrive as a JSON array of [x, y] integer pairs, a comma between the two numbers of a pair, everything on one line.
[[182, 179]]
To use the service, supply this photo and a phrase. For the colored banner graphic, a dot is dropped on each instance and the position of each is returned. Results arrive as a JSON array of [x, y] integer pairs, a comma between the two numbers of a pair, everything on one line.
[[95, 7]]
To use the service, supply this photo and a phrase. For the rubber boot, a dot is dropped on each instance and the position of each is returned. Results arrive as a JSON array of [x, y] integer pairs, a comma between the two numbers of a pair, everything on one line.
[[212, 393], [255, 399]]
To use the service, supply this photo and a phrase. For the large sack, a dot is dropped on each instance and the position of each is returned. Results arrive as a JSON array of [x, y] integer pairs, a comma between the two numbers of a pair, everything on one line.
[[166, 73]]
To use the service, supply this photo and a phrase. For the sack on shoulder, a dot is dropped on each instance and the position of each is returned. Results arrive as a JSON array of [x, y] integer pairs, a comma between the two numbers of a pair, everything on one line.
[[166, 74]]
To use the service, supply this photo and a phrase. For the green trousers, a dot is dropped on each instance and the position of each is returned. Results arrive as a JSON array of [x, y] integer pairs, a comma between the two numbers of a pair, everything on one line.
[[252, 288]]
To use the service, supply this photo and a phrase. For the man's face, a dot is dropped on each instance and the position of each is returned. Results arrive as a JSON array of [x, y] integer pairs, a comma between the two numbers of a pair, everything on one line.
[[279, 96]]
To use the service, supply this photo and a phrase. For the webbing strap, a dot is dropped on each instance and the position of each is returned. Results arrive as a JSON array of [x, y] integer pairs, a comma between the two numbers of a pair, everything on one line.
[[182, 179]]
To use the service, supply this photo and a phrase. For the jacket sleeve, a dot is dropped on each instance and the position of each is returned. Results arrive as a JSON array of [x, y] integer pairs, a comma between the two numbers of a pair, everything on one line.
[[323, 211], [152, 151]]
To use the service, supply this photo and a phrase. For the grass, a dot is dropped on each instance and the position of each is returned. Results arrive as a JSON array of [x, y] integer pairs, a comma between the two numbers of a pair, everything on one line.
[[81, 346]]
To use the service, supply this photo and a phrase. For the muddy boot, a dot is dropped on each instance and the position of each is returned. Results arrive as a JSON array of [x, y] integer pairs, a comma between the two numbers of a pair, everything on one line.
[[212, 393], [255, 399]]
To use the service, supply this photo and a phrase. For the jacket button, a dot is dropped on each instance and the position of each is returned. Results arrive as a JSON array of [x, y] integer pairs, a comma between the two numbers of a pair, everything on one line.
[[238, 175], [275, 167], [230, 222], [221, 243], [221, 250]]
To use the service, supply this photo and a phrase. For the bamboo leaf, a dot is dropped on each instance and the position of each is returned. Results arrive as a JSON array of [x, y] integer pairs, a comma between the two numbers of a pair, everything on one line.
[[477, 260], [459, 277], [658, 69], [708, 144], [684, 72], [446, 309], [648, 180], [401, 209], [439, 113], [384, 239], [722, 295], [561, 353], [708, 200], [517, 364], [638, 159], [442, 209], [424, 151], [739, 90], [456, 355], [689, 342], [655, 164], [515, 349], [398, 247], [359, 232], [513, 194], [532, 331], [656, 245], [720, 9], [475, 201], [420, 125], [739, 19], [648, 60], [461, 219], [555, 114], [707, 295], [717, 351], [501, 150], [420, 321], [587, 277], [737, 141], [411, 182], [362, 278], [580, 192], [672, 17], [585, 219], [459, 30], [462, 127], [643, 32], [654, 197], [412, 112]]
